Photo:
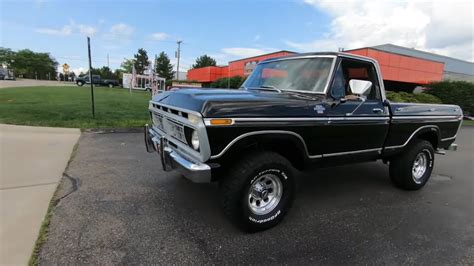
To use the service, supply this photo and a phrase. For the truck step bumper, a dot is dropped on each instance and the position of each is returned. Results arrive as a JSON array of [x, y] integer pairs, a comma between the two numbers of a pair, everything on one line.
[[171, 160], [452, 147]]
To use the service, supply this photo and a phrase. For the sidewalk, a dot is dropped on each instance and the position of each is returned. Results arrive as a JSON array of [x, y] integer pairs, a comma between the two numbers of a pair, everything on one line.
[[33, 83], [32, 160]]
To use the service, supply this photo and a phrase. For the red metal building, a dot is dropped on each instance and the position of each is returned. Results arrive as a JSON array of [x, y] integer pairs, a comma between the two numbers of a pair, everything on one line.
[[399, 71], [208, 74], [241, 67]]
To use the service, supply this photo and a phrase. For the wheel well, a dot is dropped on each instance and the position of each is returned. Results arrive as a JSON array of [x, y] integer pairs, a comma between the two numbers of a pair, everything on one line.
[[287, 146], [430, 136]]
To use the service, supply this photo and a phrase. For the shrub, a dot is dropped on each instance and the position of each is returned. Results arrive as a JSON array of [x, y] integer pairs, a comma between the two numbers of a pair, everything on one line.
[[234, 82], [405, 97], [454, 92]]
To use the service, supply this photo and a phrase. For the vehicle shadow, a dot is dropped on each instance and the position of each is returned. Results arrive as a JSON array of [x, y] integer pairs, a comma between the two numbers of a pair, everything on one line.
[[321, 188]]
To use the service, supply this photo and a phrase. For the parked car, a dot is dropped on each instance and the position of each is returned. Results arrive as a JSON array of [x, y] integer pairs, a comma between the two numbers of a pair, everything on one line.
[[6, 74], [295, 112], [96, 79]]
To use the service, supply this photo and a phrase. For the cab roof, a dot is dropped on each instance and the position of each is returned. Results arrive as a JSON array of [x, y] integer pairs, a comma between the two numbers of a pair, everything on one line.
[[336, 54]]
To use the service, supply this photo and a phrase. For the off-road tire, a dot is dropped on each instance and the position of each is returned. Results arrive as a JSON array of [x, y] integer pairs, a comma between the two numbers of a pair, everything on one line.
[[234, 190], [401, 167]]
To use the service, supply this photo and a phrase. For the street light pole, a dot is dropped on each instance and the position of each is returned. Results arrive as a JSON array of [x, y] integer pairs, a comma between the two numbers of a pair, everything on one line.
[[90, 76], [178, 54]]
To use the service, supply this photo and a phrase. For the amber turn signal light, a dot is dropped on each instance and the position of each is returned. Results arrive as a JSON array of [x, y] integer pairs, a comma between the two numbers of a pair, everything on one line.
[[221, 122]]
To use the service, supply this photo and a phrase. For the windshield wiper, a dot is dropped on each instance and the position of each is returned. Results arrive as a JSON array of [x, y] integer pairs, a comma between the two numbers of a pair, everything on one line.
[[264, 88], [298, 94]]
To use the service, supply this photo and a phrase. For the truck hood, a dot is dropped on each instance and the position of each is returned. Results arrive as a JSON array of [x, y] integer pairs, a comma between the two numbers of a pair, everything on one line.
[[242, 103]]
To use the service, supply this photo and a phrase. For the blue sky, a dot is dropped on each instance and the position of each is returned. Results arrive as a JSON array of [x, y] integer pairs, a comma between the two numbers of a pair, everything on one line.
[[228, 30]]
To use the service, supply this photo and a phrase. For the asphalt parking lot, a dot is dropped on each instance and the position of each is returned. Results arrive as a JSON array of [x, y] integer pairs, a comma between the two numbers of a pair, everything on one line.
[[117, 207]]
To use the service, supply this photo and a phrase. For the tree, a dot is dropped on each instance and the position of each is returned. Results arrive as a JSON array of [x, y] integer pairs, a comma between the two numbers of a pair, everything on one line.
[[29, 64], [127, 65], [454, 92], [141, 61], [204, 61], [119, 73], [233, 82], [163, 66], [6, 56], [106, 73]]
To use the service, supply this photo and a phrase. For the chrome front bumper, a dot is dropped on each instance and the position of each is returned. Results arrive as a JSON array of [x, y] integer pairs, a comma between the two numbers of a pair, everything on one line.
[[172, 160]]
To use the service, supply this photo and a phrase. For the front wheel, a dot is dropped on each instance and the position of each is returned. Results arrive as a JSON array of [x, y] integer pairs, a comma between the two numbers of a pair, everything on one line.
[[111, 85], [412, 169], [259, 191], [80, 83]]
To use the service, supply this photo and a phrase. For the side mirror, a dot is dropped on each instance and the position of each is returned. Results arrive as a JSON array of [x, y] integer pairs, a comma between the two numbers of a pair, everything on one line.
[[360, 87]]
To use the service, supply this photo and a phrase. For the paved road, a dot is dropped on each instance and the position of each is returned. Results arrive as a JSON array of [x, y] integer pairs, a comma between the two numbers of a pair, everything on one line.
[[31, 166], [117, 207], [32, 82]]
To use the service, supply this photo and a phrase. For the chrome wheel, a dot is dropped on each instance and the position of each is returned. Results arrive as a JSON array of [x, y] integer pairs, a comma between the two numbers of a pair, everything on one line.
[[264, 194], [419, 167]]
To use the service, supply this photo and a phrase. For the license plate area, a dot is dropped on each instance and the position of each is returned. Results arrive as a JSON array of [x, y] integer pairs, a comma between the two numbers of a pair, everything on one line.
[[174, 129], [158, 121]]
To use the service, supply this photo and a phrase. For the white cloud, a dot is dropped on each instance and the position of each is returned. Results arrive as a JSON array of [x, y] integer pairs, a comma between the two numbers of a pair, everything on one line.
[[64, 31], [87, 30], [70, 28], [441, 26], [79, 70], [121, 29], [241, 52], [158, 36]]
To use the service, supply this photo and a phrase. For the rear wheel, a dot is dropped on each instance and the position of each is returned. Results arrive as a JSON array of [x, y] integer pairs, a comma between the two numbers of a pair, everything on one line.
[[111, 85], [258, 191], [80, 83], [412, 169]]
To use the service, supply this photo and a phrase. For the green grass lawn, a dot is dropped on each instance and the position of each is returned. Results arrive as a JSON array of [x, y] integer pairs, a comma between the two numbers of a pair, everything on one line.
[[468, 123], [71, 107]]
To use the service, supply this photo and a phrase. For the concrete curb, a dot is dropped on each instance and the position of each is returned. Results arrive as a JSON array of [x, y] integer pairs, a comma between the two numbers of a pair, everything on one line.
[[113, 130]]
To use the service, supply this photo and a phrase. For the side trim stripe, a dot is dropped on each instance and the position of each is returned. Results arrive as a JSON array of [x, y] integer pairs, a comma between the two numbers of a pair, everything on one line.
[[411, 136], [336, 118], [266, 132], [398, 117], [450, 138], [293, 119], [351, 152], [293, 134]]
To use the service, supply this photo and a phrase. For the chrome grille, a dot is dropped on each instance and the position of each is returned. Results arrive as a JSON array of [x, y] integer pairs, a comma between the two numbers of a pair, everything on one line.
[[171, 110], [170, 126]]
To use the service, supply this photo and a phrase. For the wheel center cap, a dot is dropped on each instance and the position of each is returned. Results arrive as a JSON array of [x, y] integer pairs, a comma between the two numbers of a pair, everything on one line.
[[260, 192]]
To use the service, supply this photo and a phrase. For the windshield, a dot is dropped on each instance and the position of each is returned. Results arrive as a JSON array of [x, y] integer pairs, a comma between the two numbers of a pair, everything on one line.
[[306, 74]]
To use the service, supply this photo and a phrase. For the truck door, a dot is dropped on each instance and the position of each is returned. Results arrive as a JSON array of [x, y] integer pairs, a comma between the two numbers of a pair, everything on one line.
[[95, 79], [355, 127]]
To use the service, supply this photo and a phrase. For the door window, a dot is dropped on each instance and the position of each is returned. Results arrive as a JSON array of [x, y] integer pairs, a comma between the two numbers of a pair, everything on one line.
[[352, 69]]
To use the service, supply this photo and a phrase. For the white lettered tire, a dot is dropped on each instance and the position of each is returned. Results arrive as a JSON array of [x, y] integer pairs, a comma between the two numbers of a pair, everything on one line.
[[258, 191], [412, 168]]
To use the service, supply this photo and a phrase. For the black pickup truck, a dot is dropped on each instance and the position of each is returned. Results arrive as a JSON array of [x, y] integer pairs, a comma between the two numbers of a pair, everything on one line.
[[96, 79], [317, 109]]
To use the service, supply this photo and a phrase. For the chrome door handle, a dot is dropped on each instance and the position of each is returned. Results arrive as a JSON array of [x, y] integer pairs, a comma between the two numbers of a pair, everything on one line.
[[377, 110]]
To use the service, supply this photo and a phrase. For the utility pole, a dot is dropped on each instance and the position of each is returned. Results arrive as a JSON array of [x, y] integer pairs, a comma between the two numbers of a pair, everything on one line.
[[108, 60], [178, 54], [90, 76]]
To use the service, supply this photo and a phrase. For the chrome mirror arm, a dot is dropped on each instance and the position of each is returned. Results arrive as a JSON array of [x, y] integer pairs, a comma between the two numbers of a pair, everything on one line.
[[363, 99]]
